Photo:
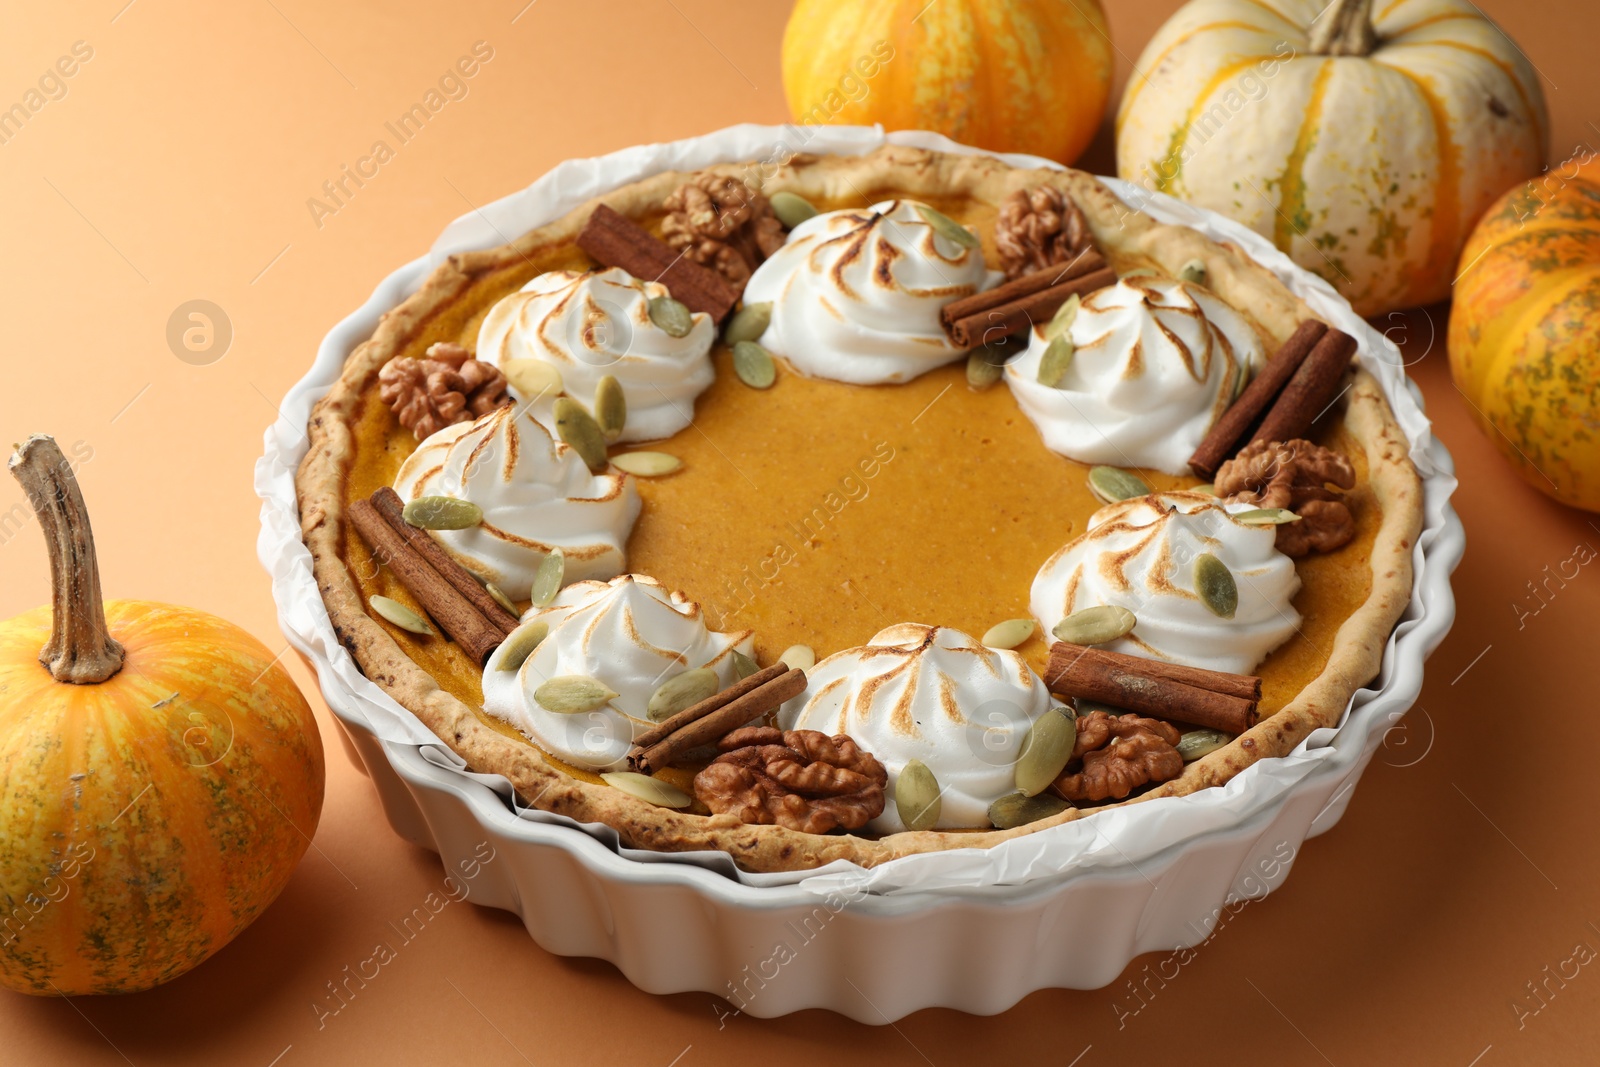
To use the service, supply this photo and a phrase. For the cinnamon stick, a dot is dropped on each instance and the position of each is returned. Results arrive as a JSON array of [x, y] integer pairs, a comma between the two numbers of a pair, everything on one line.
[[1229, 431], [711, 703], [459, 619], [1098, 679], [1020, 313], [1245, 686], [389, 505], [1086, 262], [617, 241], [1312, 389], [719, 721]]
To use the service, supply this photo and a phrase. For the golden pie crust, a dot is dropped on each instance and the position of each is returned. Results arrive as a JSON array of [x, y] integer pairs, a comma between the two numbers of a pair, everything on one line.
[[1127, 238]]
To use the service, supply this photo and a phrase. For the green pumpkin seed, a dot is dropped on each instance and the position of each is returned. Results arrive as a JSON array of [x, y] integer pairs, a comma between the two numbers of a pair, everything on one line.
[[1265, 517], [1208, 489], [548, 579], [1113, 484], [917, 797], [1193, 272], [499, 597], [1096, 625], [400, 615], [985, 366], [674, 318], [791, 208], [520, 645], [442, 513], [1056, 360], [582, 434], [531, 378], [748, 323], [1009, 634], [743, 665], [798, 657], [647, 464], [682, 691], [1139, 272], [570, 694], [610, 407], [1197, 743], [648, 789], [947, 227], [1214, 582], [1241, 381], [753, 364], [1062, 320], [1045, 750], [1010, 812]]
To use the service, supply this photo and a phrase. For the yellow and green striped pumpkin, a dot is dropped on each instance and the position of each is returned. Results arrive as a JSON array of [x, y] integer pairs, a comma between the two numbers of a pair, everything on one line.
[[1366, 161], [1006, 75], [162, 776], [1525, 330]]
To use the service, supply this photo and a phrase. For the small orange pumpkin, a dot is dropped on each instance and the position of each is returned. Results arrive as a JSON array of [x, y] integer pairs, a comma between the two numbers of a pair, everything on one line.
[[1525, 330], [1006, 75], [163, 775]]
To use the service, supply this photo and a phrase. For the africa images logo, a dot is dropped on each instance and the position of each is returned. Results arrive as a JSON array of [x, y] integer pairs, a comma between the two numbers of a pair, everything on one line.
[[452, 85]]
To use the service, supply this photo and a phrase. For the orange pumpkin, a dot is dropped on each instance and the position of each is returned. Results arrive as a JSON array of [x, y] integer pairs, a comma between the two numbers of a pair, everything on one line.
[[1525, 330], [1006, 75], [163, 775]]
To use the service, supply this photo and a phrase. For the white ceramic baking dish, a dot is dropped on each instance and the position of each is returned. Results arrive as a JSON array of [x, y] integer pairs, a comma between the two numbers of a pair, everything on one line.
[[972, 930]]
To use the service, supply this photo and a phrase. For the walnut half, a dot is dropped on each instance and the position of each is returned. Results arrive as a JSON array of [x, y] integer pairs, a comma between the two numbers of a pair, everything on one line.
[[445, 387], [1296, 475], [720, 222], [1120, 753], [1039, 227], [800, 779]]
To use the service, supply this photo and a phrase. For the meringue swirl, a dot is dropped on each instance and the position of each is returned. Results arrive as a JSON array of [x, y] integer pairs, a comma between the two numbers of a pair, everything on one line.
[[856, 294], [629, 634], [933, 694], [1139, 554], [1156, 362], [536, 494], [598, 323]]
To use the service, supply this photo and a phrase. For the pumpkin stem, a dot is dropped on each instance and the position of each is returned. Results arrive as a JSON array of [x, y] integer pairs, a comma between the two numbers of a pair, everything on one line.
[[81, 649], [1344, 29]]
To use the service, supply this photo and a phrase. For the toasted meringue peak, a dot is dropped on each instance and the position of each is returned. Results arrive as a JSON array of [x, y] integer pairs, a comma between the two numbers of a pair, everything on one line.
[[536, 494], [856, 294], [631, 635], [1139, 554], [933, 694], [1156, 362], [593, 324]]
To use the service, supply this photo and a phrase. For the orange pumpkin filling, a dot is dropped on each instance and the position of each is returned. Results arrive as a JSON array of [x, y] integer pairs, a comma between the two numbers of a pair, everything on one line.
[[818, 513]]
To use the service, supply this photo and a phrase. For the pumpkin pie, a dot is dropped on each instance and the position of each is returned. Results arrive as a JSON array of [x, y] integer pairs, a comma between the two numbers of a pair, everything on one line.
[[859, 507]]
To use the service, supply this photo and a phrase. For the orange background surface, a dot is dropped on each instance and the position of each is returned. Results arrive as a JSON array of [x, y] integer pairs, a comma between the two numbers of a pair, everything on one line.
[[178, 166]]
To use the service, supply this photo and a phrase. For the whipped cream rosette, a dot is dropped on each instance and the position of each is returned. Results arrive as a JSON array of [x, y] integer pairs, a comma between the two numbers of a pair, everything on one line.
[[536, 494], [933, 694], [856, 294], [1156, 361], [593, 324], [628, 634], [1140, 554]]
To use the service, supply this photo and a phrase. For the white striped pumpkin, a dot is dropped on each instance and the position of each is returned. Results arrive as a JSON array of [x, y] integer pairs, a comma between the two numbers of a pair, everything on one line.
[[1367, 161]]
